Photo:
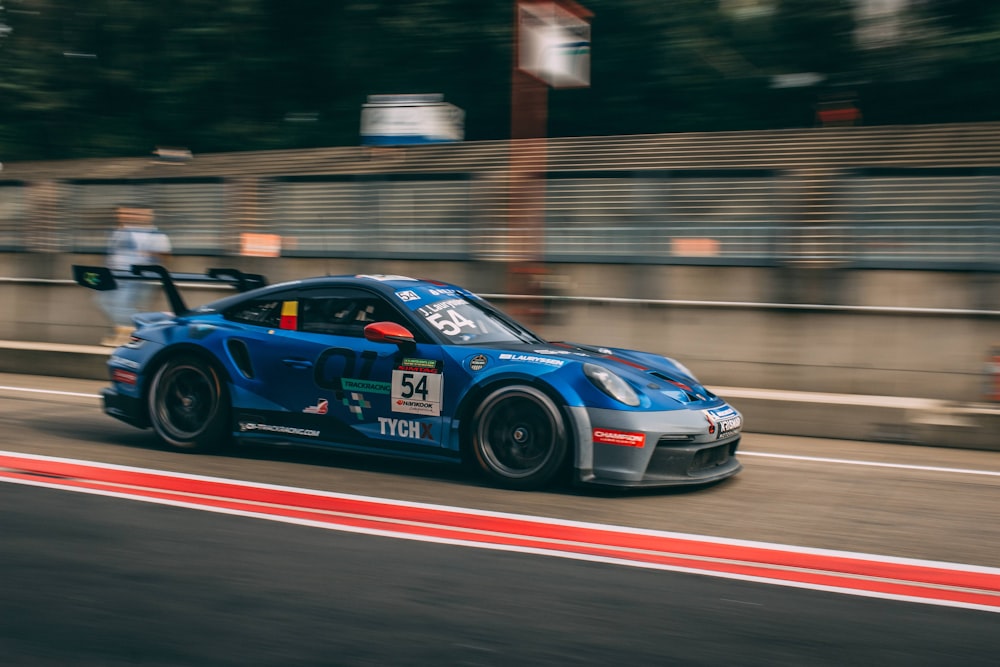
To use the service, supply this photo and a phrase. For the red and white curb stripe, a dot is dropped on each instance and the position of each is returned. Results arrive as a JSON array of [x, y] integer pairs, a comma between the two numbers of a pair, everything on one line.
[[929, 582]]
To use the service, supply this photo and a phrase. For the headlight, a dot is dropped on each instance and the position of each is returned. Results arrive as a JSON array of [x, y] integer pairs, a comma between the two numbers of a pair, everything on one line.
[[611, 384]]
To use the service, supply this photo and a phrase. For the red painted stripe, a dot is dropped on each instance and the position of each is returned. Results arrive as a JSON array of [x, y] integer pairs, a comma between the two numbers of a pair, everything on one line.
[[856, 572]]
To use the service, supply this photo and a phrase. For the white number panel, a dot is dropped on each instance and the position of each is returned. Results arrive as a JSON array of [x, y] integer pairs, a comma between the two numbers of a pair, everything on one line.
[[417, 393]]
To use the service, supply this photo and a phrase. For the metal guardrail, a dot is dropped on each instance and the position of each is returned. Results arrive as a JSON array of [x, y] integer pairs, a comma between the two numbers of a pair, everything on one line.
[[599, 300], [919, 197]]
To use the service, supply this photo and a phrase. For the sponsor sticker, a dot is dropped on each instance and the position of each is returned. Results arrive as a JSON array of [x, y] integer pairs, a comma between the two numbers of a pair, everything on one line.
[[122, 361], [428, 364], [406, 428], [726, 420], [478, 362], [606, 436], [271, 428], [408, 295], [418, 365], [555, 363], [321, 407], [357, 404], [367, 386]]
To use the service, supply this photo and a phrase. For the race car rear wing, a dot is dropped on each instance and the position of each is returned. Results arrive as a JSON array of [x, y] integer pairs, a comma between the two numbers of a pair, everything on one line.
[[103, 279]]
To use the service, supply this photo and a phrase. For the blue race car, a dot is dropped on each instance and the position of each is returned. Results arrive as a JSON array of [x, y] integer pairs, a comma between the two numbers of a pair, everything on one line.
[[416, 368]]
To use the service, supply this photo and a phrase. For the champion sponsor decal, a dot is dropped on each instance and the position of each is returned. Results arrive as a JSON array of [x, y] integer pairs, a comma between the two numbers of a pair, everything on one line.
[[321, 407], [405, 428], [623, 438], [478, 362], [407, 295], [555, 363], [367, 386], [272, 428]]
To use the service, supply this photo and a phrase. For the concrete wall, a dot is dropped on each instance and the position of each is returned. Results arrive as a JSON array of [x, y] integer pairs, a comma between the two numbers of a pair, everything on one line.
[[924, 354]]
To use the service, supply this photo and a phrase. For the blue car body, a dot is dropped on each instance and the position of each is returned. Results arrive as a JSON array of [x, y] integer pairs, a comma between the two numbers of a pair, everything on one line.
[[416, 368]]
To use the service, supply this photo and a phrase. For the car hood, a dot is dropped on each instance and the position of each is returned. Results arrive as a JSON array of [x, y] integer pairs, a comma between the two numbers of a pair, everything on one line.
[[661, 378]]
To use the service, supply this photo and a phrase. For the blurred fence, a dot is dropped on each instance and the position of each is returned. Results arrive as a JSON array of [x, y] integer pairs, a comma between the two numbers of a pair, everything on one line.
[[920, 197]]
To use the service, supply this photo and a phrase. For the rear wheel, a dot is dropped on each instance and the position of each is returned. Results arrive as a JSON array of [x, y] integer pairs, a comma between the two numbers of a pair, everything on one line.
[[519, 437], [188, 405]]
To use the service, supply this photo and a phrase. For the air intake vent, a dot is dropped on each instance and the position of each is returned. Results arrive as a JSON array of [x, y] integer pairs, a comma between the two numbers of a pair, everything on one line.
[[241, 356]]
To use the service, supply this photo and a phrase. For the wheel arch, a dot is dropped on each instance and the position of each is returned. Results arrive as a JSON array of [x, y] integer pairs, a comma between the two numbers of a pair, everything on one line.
[[178, 350], [475, 394]]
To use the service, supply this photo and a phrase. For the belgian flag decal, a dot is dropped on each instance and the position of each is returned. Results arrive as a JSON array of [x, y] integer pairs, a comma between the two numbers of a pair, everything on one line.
[[290, 315]]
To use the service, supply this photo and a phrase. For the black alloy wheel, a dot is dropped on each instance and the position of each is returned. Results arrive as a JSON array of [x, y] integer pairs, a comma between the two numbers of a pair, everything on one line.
[[188, 405], [519, 437]]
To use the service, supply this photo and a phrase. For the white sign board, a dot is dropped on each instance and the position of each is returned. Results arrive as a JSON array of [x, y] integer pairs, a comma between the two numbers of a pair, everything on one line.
[[554, 44], [392, 120]]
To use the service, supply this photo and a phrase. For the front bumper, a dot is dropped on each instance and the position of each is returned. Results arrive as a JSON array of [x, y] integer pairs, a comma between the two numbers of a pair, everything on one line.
[[128, 409], [652, 449]]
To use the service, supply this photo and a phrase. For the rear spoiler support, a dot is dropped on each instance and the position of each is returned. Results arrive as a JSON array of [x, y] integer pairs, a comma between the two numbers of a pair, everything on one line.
[[103, 279]]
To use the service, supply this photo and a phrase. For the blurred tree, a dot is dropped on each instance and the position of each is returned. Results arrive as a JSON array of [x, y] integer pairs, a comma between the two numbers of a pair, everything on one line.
[[114, 77]]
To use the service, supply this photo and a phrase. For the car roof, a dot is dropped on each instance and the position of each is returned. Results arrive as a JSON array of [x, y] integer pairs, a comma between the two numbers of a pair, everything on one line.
[[386, 284]]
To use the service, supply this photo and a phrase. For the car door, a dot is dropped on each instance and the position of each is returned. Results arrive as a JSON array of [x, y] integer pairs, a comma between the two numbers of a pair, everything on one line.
[[265, 348], [320, 368]]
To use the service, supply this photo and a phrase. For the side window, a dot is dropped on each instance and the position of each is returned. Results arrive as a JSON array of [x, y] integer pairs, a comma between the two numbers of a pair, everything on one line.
[[343, 314], [264, 313]]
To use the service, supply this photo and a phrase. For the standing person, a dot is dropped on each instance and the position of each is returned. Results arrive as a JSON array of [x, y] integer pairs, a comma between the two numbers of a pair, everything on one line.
[[135, 240]]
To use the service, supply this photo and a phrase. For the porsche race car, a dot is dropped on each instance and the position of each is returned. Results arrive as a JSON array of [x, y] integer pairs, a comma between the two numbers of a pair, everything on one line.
[[393, 365]]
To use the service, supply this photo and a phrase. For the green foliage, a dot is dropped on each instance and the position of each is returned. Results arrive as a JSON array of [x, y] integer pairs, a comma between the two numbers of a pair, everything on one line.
[[83, 78]]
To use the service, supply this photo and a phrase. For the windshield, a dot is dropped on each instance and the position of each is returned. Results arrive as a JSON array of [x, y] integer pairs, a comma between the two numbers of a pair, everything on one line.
[[462, 321]]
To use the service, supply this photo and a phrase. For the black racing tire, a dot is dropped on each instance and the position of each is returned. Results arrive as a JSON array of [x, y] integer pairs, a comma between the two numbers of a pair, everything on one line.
[[189, 405], [519, 437]]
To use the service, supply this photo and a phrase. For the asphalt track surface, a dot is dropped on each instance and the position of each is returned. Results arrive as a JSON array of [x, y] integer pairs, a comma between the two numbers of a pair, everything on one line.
[[97, 580]]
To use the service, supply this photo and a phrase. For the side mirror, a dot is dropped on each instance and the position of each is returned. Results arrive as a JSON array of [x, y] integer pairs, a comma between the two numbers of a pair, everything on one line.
[[388, 332]]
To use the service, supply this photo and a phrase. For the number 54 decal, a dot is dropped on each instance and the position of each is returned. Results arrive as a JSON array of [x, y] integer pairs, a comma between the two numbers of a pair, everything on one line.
[[416, 393]]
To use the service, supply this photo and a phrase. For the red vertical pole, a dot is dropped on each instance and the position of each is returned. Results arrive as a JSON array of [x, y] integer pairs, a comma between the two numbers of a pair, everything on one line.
[[526, 206]]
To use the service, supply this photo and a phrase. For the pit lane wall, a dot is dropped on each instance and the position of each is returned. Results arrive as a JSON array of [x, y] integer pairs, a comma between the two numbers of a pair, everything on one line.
[[880, 355]]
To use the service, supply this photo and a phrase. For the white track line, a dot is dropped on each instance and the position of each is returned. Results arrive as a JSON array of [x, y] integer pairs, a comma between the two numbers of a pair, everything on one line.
[[743, 452], [874, 464], [48, 391]]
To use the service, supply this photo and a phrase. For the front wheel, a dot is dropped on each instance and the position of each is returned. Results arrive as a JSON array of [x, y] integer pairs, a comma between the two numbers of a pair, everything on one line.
[[519, 437], [188, 405]]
